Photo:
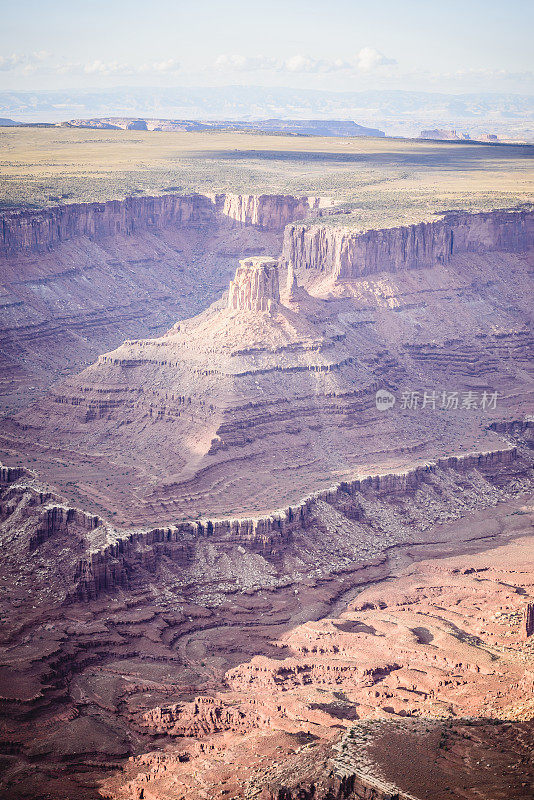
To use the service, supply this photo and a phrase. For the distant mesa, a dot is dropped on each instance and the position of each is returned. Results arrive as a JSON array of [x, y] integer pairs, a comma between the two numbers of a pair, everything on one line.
[[293, 127], [5, 122], [315, 127], [451, 135], [134, 124], [444, 135], [137, 125]]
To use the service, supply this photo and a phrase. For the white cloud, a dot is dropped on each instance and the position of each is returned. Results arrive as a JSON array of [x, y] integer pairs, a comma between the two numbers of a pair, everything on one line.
[[170, 65], [300, 63], [116, 68], [13, 61], [107, 68], [236, 63], [26, 62], [369, 59], [40, 61], [68, 68]]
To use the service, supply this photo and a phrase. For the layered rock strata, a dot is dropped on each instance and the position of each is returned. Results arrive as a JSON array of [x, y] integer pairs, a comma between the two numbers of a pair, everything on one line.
[[76, 280], [236, 406], [23, 230], [346, 254], [162, 643], [112, 552], [268, 535]]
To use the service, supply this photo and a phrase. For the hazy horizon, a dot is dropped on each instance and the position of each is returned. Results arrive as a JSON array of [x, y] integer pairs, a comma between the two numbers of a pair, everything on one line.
[[396, 112], [413, 46]]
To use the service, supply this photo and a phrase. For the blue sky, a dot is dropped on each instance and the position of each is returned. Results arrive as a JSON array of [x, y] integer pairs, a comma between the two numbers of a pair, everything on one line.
[[456, 45]]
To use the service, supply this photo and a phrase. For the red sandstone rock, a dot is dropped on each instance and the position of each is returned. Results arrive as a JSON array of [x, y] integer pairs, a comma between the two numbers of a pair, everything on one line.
[[265, 641]]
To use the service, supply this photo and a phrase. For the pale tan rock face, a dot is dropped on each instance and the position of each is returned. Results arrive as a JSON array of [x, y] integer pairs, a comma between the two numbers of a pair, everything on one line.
[[24, 230], [255, 286], [347, 254]]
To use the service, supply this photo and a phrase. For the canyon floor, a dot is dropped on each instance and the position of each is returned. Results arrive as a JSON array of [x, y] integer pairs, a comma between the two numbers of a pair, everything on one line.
[[421, 687], [316, 667]]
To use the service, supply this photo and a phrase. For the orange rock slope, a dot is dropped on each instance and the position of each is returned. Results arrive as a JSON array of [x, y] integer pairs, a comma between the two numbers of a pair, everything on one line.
[[435, 662], [227, 660]]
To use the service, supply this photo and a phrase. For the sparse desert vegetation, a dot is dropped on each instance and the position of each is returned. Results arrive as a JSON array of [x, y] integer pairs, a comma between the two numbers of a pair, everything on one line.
[[378, 181]]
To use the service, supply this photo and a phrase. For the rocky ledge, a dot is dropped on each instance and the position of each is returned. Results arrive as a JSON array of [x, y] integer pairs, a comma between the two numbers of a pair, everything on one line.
[[23, 230], [255, 286], [343, 253]]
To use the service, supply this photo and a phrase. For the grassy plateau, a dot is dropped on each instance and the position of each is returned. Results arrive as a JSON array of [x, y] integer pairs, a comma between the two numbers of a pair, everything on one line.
[[376, 181]]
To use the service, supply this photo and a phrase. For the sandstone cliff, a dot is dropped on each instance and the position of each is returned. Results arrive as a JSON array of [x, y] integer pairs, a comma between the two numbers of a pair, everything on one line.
[[76, 280], [108, 561], [344, 254], [23, 230], [102, 557], [267, 212]]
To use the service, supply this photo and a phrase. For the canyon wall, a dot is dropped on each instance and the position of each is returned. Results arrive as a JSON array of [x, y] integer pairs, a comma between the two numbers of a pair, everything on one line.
[[104, 566], [30, 230], [76, 280], [267, 535], [10, 474], [344, 253], [40, 230], [103, 558], [265, 211]]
